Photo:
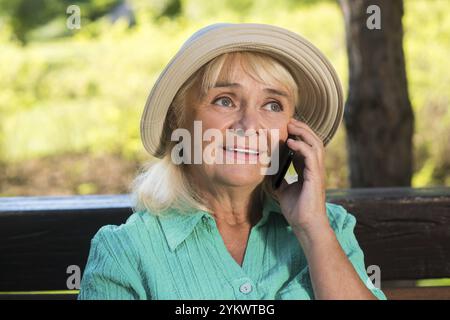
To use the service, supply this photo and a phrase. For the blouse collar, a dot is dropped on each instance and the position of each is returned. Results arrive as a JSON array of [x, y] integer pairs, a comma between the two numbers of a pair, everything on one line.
[[177, 225]]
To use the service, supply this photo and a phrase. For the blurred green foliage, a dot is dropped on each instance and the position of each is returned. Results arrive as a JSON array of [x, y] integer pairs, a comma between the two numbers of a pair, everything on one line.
[[25, 15], [433, 282], [84, 90]]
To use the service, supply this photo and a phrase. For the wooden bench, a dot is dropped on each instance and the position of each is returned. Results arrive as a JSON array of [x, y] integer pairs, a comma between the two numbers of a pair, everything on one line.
[[406, 232]]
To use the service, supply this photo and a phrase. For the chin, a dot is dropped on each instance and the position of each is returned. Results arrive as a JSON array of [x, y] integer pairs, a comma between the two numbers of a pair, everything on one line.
[[240, 175]]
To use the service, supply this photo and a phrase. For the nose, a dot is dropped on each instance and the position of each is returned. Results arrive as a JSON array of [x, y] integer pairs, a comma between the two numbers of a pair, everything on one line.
[[245, 129], [247, 123]]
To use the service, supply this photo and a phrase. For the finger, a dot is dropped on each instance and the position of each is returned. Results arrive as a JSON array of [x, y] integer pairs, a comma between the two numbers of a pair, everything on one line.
[[306, 135], [303, 125], [305, 151], [309, 138], [308, 128]]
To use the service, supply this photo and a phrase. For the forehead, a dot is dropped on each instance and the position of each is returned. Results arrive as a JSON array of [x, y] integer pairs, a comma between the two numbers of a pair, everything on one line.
[[238, 68]]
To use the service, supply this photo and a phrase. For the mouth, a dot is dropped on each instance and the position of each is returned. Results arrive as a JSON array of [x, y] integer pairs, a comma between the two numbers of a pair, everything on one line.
[[241, 150]]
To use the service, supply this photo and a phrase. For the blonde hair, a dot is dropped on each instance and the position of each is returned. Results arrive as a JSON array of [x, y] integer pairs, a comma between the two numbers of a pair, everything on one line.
[[162, 185]]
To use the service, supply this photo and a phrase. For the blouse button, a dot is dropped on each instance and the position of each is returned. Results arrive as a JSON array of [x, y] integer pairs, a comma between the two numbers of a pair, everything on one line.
[[246, 288]]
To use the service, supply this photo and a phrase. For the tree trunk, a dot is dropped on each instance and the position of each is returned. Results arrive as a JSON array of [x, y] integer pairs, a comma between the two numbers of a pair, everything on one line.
[[378, 114]]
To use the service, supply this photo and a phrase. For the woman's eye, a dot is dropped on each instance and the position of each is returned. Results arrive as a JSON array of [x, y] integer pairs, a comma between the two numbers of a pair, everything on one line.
[[224, 102], [273, 106]]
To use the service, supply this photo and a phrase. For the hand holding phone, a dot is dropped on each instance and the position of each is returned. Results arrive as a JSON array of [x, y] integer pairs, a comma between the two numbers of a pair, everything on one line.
[[286, 158]]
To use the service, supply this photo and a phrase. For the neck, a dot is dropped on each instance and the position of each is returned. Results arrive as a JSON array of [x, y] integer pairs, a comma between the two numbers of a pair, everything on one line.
[[233, 206]]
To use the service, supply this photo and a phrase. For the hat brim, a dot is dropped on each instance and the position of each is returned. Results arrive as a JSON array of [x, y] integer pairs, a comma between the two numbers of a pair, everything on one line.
[[320, 91]]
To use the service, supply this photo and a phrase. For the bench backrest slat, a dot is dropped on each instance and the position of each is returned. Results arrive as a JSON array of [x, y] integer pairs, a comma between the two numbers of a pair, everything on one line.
[[406, 232]]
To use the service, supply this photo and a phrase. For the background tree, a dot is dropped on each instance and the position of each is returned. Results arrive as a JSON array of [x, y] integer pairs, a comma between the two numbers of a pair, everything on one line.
[[378, 114]]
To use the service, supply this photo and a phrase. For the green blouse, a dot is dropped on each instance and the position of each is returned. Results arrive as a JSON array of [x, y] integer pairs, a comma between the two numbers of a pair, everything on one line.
[[183, 256]]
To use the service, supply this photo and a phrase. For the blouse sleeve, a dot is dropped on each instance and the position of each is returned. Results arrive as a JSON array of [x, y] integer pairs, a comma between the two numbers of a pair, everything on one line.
[[344, 229], [105, 276]]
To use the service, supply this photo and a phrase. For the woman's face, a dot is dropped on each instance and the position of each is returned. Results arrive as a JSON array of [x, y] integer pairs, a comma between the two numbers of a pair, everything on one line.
[[241, 103]]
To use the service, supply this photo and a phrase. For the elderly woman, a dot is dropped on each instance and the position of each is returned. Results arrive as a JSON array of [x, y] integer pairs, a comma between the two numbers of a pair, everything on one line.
[[219, 229]]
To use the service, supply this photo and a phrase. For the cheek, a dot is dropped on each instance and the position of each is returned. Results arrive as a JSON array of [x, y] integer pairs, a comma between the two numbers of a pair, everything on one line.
[[214, 127], [283, 133], [276, 141], [280, 127], [213, 123], [211, 119]]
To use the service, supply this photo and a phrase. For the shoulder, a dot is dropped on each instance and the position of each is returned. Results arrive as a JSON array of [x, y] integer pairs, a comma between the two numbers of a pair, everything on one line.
[[134, 223], [340, 219], [127, 240], [113, 270], [343, 224]]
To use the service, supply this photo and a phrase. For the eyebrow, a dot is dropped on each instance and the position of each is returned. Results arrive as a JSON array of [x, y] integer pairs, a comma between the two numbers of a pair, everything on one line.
[[234, 84]]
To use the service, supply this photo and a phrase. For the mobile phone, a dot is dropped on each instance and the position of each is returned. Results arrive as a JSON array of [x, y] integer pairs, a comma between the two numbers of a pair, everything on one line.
[[286, 157]]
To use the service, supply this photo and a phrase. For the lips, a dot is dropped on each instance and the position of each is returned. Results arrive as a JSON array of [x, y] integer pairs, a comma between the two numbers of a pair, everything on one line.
[[241, 150]]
